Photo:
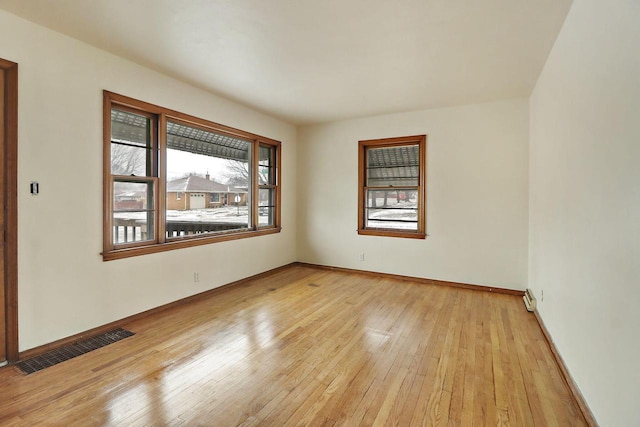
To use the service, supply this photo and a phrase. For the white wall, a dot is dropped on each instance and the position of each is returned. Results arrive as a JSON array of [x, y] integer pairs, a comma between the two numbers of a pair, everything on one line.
[[477, 172], [64, 286], [585, 203]]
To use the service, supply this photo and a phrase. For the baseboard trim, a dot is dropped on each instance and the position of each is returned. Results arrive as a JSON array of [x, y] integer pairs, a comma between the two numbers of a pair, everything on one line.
[[573, 387], [415, 279], [36, 351]]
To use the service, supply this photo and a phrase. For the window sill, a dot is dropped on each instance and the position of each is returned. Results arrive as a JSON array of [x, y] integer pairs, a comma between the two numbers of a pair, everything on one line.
[[392, 233], [128, 252]]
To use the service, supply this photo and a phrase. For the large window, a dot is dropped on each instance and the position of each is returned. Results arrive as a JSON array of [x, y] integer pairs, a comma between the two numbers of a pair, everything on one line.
[[391, 191], [174, 181]]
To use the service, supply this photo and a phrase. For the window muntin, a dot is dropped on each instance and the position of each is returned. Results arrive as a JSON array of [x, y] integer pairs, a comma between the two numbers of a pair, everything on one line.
[[391, 187], [145, 211]]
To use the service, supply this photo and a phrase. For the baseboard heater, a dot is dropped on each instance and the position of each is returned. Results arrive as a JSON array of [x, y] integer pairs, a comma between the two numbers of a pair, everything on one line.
[[529, 300]]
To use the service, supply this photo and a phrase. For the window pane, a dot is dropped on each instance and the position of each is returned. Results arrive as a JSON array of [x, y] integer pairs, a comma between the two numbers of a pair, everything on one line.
[[266, 165], [130, 144], [393, 166], [130, 128], [266, 206], [394, 209], [127, 160], [133, 215], [211, 174]]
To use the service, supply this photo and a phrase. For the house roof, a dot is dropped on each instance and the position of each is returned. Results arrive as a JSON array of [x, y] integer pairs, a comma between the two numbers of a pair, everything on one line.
[[196, 184]]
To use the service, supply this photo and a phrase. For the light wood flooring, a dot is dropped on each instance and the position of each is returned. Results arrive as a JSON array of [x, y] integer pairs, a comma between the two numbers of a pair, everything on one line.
[[310, 347]]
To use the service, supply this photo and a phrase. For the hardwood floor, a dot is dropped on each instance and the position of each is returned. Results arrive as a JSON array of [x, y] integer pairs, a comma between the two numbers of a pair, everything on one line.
[[310, 347]]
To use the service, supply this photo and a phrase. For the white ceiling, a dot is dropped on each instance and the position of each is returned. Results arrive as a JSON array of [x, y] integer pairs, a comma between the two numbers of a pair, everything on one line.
[[310, 61]]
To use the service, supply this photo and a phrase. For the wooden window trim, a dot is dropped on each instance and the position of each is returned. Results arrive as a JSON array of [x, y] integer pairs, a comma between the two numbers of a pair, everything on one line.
[[160, 243], [421, 141]]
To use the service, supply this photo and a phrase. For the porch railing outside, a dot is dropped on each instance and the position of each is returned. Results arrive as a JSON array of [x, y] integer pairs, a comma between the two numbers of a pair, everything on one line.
[[135, 230]]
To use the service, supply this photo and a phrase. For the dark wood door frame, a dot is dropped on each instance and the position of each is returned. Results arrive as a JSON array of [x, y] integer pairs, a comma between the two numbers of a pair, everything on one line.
[[10, 169]]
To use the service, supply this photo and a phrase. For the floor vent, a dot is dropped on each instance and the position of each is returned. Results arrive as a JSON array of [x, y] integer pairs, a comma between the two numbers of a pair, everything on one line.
[[70, 351]]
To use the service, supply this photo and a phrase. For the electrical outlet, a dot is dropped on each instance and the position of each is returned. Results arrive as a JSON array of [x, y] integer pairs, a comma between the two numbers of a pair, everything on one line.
[[362, 257], [196, 277]]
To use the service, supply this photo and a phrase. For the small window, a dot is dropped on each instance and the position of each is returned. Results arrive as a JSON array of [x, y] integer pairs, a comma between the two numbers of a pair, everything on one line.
[[391, 192], [267, 186], [178, 196]]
